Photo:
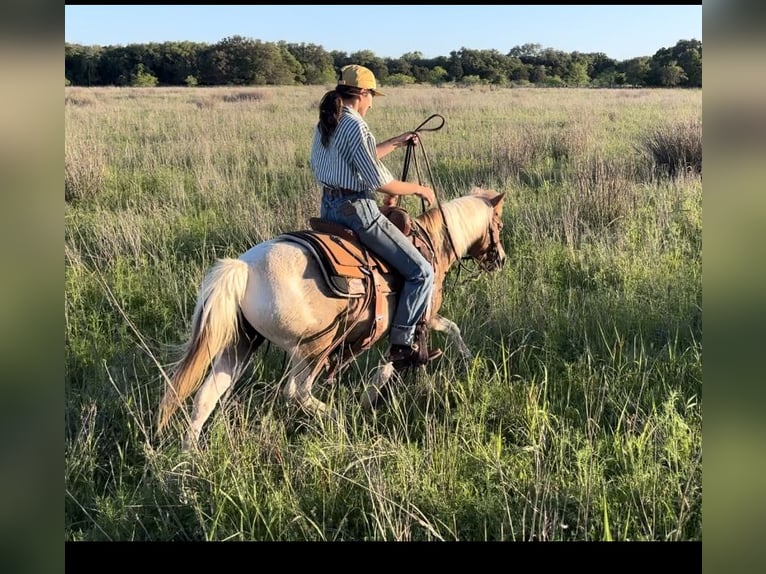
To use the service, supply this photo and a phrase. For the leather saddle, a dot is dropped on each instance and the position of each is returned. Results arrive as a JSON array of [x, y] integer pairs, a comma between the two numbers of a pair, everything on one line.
[[345, 262], [353, 271]]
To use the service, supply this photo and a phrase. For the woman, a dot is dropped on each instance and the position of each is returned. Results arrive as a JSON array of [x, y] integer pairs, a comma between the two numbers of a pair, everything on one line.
[[345, 159]]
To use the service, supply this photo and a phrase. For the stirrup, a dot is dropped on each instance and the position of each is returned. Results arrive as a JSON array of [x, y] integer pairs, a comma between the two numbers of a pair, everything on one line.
[[421, 341], [403, 356]]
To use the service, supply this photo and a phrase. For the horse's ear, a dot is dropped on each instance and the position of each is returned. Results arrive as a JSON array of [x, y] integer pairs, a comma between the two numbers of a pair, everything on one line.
[[497, 200]]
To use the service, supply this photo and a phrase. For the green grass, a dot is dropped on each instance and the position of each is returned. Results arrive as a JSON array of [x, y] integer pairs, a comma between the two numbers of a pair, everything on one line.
[[580, 416]]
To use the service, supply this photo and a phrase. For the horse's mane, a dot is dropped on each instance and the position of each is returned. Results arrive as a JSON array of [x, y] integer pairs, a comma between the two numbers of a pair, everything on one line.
[[465, 218]]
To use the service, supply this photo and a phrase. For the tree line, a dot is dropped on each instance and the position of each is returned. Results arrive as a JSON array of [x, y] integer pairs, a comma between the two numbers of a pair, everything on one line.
[[240, 61]]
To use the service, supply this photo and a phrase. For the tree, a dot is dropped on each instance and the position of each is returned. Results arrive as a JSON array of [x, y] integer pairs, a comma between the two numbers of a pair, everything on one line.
[[489, 65], [214, 67], [143, 78], [399, 66], [556, 62], [412, 57], [399, 80], [241, 57], [422, 73], [672, 75], [438, 76], [520, 72], [368, 59], [81, 64], [554, 82], [527, 53], [470, 80], [243, 61], [689, 56], [339, 59], [578, 75], [692, 66], [539, 75], [637, 71], [117, 64], [286, 70], [455, 66], [599, 64], [663, 70], [606, 79], [318, 65], [175, 61]]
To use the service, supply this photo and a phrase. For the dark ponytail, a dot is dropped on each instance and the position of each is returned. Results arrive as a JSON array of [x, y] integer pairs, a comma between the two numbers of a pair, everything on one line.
[[330, 109]]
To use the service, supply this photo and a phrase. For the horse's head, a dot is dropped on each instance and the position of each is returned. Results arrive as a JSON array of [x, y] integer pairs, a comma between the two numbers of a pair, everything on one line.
[[488, 250]]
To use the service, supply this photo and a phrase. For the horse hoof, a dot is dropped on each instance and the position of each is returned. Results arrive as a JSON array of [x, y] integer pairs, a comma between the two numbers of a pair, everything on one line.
[[190, 445], [370, 399]]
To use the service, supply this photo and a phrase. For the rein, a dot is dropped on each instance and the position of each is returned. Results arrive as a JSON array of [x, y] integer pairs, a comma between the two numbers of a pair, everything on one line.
[[411, 156]]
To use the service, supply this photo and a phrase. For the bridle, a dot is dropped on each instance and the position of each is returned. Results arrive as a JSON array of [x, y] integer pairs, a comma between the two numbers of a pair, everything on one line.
[[488, 257]]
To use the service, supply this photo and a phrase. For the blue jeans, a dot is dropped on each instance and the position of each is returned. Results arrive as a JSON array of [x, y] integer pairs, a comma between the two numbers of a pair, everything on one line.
[[379, 235]]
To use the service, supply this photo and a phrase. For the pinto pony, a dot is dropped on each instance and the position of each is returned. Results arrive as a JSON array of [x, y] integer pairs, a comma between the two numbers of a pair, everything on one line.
[[276, 292]]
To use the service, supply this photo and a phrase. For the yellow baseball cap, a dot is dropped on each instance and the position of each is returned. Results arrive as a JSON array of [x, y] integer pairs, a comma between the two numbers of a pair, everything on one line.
[[359, 77]]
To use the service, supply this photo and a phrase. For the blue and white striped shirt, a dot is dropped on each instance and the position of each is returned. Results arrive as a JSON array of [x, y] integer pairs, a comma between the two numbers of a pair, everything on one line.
[[349, 160]]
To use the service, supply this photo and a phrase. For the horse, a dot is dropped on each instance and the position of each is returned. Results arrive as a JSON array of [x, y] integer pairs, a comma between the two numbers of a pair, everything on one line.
[[276, 291]]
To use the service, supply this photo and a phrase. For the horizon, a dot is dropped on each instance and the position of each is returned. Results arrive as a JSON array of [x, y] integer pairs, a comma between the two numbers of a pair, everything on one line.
[[619, 32]]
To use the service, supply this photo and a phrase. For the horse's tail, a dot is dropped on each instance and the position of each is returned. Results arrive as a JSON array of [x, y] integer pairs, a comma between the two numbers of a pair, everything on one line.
[[214, 327]]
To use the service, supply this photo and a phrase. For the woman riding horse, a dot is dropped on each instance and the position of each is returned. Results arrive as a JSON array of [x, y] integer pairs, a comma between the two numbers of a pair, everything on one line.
[[345, 160], [276, 291]]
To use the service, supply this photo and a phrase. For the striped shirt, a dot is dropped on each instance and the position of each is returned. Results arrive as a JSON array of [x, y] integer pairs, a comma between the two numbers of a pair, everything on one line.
[[349, 160]]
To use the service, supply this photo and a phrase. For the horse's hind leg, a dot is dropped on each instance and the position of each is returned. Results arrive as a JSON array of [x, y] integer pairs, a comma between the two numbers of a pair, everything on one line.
[[224, 372], [300, 378]]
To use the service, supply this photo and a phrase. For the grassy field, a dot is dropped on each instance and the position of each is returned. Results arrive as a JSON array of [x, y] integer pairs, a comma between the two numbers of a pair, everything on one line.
[[580, 416]]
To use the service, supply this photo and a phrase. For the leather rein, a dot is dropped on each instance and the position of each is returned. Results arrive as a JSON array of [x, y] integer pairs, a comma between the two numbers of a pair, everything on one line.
[[411, 157]]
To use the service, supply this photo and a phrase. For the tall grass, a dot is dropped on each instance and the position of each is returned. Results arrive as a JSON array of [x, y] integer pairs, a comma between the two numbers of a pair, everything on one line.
[[579, 417]]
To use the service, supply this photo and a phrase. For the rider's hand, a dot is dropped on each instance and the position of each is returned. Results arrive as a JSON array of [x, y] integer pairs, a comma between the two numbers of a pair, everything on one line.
[[405, 138], [428, 194], [389, 200]]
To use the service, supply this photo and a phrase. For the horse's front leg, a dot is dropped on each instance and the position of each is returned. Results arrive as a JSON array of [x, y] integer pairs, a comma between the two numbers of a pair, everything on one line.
[[444, 325], [373, 391]]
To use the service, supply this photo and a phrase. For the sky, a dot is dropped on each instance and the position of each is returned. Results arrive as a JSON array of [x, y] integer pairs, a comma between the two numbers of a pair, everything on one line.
[[390, 31]]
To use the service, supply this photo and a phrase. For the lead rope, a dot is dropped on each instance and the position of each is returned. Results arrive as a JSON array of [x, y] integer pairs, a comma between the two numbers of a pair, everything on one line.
[[411, 156]]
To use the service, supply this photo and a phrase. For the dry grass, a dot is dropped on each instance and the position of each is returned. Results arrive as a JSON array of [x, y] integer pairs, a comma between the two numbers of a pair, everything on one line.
[[676, 147], [84, 169], [578, 419]]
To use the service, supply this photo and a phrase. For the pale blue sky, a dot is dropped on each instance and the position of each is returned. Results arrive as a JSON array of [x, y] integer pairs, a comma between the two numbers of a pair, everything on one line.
[[620, 32]]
